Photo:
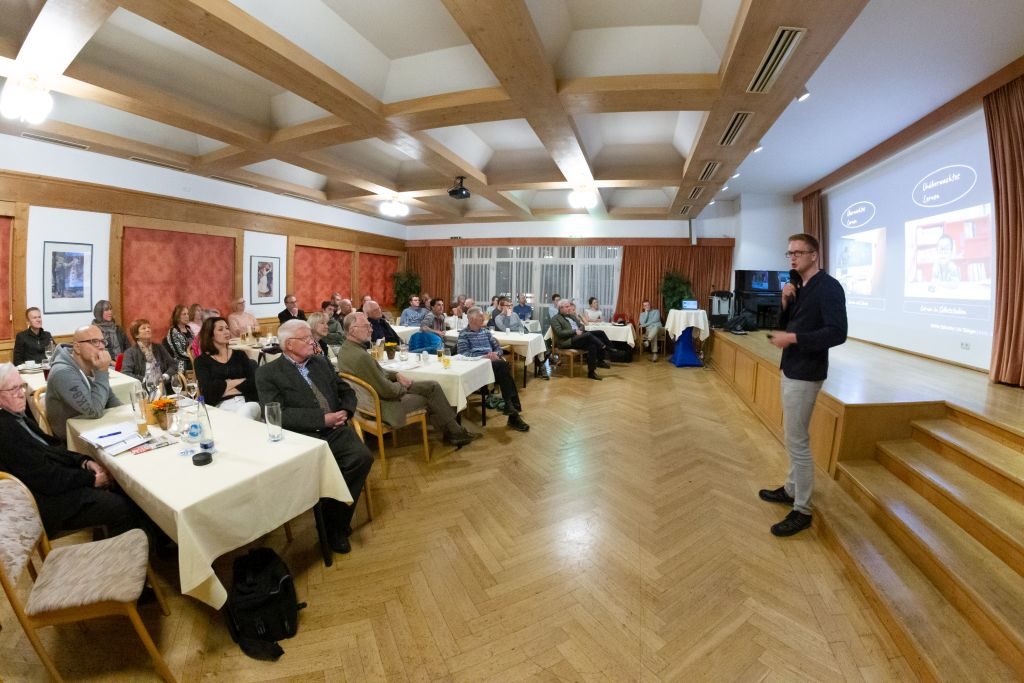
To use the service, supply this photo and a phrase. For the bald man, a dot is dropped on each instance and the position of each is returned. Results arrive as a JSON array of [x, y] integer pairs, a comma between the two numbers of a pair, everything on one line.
[[79, 382]]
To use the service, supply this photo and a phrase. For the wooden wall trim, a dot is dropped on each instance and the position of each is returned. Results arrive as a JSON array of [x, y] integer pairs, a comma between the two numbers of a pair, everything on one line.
[[7, 208], [69, 194], [956, 108], [181, 226], [573, 242], [19, 259], [114, 261]]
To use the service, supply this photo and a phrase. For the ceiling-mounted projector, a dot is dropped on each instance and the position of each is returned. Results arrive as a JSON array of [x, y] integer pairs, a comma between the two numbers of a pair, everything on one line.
[[458, 191]]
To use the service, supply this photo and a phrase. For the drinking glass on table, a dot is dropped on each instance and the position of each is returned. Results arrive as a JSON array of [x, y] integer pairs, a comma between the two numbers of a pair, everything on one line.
[[139, 399], [446, 358], [192, 389], [176, 384], [403, 352], [273, 418]]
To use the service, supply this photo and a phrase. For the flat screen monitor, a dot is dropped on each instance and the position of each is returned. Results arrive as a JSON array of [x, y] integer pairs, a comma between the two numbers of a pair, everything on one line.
[[689, 304]]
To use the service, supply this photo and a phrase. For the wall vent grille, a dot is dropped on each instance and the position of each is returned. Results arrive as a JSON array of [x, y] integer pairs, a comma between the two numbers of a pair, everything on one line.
[[779, 52]]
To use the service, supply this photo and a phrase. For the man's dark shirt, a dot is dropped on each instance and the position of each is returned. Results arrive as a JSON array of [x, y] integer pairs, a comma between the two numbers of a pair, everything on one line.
[[381, 329], [286, 315], [31, 346], [818, 318]]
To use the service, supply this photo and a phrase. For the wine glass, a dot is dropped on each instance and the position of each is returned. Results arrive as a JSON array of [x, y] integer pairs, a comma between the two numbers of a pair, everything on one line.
[[176, 385], [192, 389], [51, 349]]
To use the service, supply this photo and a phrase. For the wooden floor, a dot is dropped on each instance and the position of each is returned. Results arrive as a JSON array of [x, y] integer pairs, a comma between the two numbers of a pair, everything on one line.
[[621, 539]]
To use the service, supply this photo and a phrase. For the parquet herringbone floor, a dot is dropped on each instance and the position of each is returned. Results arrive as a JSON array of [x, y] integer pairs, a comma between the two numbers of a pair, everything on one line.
[[621, 539]]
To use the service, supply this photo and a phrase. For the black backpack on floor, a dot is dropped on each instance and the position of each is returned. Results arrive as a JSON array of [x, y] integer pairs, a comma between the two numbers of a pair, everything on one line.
[[262, 606]]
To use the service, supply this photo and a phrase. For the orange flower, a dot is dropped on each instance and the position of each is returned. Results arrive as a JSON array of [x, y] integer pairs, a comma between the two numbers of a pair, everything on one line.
[[164, 405]]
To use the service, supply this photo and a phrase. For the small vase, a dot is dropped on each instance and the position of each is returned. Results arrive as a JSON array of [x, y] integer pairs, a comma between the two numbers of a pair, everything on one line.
[[390, 350], [163, 420]]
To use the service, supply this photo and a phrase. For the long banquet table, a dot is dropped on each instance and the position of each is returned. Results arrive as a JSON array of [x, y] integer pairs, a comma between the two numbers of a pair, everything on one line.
[[528, 345], [252, 487]]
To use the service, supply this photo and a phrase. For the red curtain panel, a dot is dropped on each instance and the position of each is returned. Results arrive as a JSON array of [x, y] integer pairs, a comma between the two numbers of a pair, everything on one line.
[[375, 271], [160, 269], [319, 273], [6, 326]]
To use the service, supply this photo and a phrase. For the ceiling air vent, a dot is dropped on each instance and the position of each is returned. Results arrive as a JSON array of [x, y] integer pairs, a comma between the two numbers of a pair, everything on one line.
[[709, 170], [295, 195], [735, 127], [781, 49], [233, 182], [685, 210], [53, 141], [161, 164], [696, 192]]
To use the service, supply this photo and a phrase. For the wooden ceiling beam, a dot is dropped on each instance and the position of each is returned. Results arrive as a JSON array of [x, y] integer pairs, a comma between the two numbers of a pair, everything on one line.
[[453, 109], [326, 164], [655, 92], [757, 22], [60, 31]]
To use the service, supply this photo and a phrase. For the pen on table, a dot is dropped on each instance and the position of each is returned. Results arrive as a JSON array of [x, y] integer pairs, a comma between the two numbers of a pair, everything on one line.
[[103, 436]]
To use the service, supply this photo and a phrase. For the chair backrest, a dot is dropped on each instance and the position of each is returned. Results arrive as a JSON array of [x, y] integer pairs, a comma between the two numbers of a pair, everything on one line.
[[39, 401], [21, 527], [367, 400], [119, 362]]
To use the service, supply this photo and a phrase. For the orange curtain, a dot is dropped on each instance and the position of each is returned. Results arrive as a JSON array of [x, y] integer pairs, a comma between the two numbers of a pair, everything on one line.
[[6, 326], [436, 268], [160, 269], [814, 224], [643, 268], [375, 271], [1004, 114], [319, 273]]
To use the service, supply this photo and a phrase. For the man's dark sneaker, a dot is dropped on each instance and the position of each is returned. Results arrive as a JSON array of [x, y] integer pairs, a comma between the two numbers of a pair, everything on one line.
[[463, 439], [594, 375], [794, 522], [517, 423], [778, 495], [339, 544], [604, 364]]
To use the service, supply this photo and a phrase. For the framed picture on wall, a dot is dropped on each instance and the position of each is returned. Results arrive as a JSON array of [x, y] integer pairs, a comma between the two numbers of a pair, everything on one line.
[[264, 280], [67, 277]]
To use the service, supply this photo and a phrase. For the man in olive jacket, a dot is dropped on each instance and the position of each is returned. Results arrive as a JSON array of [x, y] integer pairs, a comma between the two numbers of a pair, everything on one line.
[[398, 395], [567, 333], [316, 402]]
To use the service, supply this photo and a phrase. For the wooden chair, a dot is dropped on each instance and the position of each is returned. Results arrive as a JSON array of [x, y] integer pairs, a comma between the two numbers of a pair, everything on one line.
[[76, 582], [39, 401], [662, 339], [369, 417], [572, 355]]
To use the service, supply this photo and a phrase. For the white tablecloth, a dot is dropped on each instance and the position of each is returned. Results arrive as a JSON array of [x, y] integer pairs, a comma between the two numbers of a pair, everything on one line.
[[529, 345], [405, 332], [252, 351], [532, 325], [680, 320], [252, 487], [458, 382], [616, 333], [121, 384]]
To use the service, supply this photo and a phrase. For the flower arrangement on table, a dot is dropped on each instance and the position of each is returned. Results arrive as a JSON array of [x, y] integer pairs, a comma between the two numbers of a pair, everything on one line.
[[390, 348], [162, 408]]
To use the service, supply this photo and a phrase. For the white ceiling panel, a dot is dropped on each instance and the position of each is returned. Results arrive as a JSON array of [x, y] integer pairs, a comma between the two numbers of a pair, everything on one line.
[[615, 52], [615, 13], [553, 23], [288, 109], [512, 134], [433, 73], [115, 122], [717, 18], [372, 154], [465, 143], [615, 156], [637, 197], [400, 28], [288, 173], [550, 199], [634, 128], [687, 125]]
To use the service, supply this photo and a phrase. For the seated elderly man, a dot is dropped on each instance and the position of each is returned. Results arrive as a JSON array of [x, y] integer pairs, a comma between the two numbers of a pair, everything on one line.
[[79, 381], [315, 402], [477, 341], [381, 328], [344, 308], [413, 315], [72, 492], [241, 321], [398, 395], [568, 333], [505, 319]]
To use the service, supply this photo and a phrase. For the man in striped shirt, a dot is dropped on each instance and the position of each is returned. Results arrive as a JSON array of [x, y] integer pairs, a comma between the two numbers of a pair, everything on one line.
[[476, 341]]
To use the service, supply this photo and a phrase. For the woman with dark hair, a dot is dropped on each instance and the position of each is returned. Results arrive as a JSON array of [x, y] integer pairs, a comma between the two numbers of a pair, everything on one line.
[[592, 313], [114, 336], [227, 379], [179, 337], [195, 319], [144, 358]]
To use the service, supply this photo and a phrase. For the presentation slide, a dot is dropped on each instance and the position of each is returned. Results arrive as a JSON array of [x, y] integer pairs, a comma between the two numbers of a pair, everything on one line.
[[912, 242]]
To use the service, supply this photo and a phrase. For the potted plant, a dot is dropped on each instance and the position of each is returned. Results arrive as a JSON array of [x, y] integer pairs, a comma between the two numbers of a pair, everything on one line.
[[389, 349], [407, 283], [162, 409], [675, 287]]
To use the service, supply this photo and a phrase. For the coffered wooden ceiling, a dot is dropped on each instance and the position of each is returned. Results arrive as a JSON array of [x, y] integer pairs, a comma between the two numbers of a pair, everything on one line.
[[351, 103]]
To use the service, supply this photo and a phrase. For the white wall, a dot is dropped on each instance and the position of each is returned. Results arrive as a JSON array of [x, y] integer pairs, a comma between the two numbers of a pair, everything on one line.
[[575, 225], [766, 220], [62, 225], [263, 244]]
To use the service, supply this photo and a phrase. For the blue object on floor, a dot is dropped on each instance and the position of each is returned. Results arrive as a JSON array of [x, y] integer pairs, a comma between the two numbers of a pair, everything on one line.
[[684, 355]]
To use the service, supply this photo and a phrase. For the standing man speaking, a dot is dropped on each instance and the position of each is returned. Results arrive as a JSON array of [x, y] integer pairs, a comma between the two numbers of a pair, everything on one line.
[[814, 320]]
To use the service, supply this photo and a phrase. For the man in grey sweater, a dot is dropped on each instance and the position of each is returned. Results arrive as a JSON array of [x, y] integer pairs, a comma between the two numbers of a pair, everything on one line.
[[79, 383]]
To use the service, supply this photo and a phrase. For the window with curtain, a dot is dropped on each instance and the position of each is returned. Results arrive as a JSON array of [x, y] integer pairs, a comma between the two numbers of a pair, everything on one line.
[[576, 273]]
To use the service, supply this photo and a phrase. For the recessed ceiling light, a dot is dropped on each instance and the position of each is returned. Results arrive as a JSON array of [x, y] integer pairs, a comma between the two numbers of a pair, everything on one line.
[[394, 208], [724, 188], [583, 198], [803, 95], [759, 148], [711, 202], [735, 175]]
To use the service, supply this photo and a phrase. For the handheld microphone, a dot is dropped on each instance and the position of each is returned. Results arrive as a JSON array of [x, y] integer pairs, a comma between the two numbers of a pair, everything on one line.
[[795, 279]]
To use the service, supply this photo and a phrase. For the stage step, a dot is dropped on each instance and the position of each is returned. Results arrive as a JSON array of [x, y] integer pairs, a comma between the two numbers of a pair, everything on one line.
[[987, 591], [990, 516], [938, 642], [1000, 465]]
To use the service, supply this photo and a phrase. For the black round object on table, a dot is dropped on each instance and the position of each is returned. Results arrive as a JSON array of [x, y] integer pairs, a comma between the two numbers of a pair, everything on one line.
[[202, 458]]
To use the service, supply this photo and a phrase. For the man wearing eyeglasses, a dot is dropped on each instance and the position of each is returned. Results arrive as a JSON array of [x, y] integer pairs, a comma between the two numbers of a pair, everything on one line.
[[316, 402], [814, 320], [79, 382], [72, 492]]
